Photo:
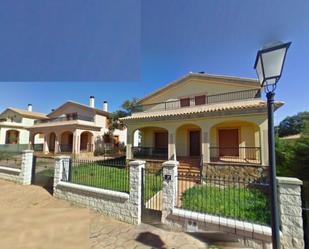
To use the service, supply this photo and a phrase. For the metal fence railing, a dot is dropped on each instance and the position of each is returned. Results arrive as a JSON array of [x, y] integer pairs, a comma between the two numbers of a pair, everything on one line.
[[238, 198], [150, 152], [111, 174]]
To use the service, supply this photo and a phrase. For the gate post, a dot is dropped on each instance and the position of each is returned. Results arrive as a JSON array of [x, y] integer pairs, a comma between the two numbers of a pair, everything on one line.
[[62, 168], [136, 190], [290, 206], [169, 190], [26, 167]]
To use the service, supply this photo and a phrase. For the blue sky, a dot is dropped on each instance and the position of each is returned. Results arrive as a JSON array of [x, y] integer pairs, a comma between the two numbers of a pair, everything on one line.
[[166, 41]]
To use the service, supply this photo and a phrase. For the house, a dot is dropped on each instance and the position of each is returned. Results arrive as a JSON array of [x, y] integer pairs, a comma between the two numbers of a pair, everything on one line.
[[14, 124], [202, 119], [76, 128]]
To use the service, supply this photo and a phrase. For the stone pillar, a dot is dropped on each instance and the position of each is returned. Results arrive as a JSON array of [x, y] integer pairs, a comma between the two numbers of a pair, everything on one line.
[[290, 206], [171, 145], [135, 198], [169, 190], [62, 167], [205, 145], [26, 167]]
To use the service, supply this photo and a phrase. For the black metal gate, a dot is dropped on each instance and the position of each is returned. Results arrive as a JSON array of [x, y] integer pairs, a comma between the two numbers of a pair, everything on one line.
[[43, 172], [305, 207], [152, 193]]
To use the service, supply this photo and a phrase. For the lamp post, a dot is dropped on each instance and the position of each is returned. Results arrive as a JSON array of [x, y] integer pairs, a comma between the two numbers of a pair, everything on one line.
[[268, 65]]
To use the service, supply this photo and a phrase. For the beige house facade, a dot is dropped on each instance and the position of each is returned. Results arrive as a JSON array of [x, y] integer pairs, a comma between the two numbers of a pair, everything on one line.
[[202, 118], [14, 124], [76, 128]]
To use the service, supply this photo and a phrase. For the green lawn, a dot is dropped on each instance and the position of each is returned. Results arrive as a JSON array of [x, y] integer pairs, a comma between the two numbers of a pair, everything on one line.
[[100, 176], [113, 178], [234, 202]]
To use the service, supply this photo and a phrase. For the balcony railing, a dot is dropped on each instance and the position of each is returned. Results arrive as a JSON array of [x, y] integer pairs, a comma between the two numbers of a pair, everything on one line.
[[66, 118], [247, 155], [150, 153], [200, 101], [65, 147]]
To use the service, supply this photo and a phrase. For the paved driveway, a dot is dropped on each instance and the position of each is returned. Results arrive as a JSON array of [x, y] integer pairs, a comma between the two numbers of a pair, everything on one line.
[[31, 218]]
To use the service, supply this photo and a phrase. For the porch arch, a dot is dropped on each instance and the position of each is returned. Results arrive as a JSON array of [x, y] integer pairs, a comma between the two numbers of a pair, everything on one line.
[[38, 141], [188, 140], [52, 141], [66, 141], [86, 138], [152, 142], [235, 140], [12, 137]]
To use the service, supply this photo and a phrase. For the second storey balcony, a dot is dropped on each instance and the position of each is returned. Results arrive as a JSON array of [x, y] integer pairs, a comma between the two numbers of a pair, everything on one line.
[[64, 119], [199, 100]]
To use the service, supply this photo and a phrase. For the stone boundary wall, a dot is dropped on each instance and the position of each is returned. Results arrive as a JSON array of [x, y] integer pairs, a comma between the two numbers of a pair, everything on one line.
[[250, 235], [22, 175], [122, 206]]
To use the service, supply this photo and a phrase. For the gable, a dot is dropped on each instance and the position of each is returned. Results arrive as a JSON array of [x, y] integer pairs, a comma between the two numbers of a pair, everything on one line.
[[70, 107], [9, 114], [191, 86]]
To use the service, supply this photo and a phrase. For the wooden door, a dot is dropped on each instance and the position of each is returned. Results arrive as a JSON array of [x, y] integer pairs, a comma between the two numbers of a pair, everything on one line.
[[228, 142], [195, 143], [161, 140]]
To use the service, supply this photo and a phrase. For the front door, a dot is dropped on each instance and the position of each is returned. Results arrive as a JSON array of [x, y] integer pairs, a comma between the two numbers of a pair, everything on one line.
[[195, 143], [228, 142]]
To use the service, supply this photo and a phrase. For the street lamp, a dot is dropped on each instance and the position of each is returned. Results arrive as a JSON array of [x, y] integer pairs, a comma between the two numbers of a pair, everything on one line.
[[268, 65]]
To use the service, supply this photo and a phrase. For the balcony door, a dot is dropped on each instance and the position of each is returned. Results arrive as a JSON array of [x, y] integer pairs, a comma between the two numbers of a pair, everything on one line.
[[228, 142], [195, 143]]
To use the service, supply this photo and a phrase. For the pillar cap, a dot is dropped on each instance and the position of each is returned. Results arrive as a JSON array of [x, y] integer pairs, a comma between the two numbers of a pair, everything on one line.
[[27, 151], [62, 157], [289, 180], [170, 163], [136, 163]]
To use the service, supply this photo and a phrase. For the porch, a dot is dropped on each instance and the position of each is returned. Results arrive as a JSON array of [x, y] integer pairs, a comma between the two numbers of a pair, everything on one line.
[[62, 140], [194, 144]]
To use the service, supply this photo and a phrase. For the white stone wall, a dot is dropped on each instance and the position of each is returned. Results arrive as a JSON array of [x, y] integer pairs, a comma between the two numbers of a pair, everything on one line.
[[22, 175], [122, 206]]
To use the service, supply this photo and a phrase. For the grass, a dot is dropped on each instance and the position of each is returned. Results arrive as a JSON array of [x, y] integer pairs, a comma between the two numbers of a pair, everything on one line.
[[100, 176], [234, 202], [113, 178]]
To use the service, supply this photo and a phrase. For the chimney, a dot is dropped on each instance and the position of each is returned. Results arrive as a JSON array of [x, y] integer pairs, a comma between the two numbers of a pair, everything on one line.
[[91, 101], [29, 108], [52, 110], [105, 106]]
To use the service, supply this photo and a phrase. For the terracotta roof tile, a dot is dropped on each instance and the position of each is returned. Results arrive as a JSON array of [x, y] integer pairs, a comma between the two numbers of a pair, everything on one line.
[[218, 107]]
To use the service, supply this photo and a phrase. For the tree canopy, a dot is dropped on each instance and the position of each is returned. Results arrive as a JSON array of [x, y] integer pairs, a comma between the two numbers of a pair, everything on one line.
[[126, 110], [292, 125]]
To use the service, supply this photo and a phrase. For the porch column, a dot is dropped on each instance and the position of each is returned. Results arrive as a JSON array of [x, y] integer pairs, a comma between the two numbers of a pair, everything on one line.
[[56, 149], [130, 139], [76, 138], [205, 144], [92, 143], [264, 145], [31, 141], [172, 144], [45, 144]]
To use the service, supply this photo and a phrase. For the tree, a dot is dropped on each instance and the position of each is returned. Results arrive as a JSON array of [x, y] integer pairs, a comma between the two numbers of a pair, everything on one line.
[[126, 110], [294, 125]]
